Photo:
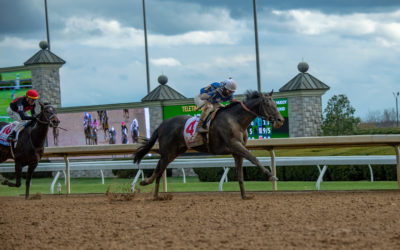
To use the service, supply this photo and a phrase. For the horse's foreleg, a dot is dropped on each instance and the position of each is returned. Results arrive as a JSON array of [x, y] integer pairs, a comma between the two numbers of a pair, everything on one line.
[[239, 172], [29, 174], [239, 149]]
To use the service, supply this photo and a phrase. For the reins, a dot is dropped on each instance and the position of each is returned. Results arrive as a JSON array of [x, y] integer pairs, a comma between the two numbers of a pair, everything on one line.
[[247, 109], [252, 112]]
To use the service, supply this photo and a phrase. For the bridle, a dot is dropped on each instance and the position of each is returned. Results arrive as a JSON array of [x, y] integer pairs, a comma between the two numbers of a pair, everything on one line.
[[254, 113], [47, 119]]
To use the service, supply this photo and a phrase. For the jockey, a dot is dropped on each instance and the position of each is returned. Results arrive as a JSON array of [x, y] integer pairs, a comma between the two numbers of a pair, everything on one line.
[[124, 129], [134, 126], [86, 119], [210, 97], [18, 111], [112, 131], [95, 124], [124, 133]]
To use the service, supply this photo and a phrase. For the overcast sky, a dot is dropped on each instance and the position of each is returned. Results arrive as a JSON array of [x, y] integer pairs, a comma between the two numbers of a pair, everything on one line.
[[352, 46]]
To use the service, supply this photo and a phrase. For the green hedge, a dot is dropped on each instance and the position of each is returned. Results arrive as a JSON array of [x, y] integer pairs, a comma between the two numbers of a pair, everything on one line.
[[304, 173], [377, 131], [11, 176], [131, 173]]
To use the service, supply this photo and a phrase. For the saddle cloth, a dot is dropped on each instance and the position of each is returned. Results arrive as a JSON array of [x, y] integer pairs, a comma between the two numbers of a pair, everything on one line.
[[192, 138], [4, 132]]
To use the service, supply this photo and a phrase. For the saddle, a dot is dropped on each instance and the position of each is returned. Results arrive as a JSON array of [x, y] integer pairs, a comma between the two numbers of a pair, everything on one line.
[[7, 129], [193, 138], [210, 117]]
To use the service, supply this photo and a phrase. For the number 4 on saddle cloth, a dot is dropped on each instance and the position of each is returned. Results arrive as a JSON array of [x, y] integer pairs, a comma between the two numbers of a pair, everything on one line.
[[5, 132], [192, 137]]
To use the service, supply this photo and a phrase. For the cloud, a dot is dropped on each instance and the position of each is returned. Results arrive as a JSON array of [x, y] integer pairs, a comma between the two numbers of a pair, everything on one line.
[[111, 34], [169, 61], [383, 27], [16, 42], [237, 60]]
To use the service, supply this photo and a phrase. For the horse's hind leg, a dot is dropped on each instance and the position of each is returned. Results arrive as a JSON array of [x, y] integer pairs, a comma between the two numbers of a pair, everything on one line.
[[158, 171], [239, 172], [161, 166], [18, 174]]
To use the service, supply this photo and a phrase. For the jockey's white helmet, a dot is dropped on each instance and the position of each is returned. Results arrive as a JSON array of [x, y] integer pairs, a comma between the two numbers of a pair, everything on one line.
[[230, 84]]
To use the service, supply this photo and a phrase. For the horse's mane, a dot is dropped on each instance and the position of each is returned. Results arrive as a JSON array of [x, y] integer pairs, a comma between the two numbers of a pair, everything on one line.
[[250, 94]]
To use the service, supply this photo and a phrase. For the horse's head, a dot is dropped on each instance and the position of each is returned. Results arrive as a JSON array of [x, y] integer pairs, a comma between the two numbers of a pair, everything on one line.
[[49, 115], [270, 111], [265, 107]]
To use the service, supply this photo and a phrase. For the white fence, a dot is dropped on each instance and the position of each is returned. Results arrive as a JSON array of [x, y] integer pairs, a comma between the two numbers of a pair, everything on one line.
[[263, 144], [226, 163]]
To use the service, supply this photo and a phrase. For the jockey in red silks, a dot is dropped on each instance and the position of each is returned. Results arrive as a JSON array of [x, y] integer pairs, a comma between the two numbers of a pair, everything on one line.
[[210, 97], [18, 111]]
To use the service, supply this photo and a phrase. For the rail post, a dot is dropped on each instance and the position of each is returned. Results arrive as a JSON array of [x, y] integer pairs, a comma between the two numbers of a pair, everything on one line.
[[396, 148], [273, 167], [67, 174]]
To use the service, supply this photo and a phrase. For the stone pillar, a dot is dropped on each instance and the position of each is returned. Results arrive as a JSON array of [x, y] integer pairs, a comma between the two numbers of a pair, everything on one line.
[[305, 113], [44, 67], [156, 117], [46, 80]]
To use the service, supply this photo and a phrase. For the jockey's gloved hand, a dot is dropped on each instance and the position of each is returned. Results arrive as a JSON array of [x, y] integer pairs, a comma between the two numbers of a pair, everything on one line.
[[205, 96]]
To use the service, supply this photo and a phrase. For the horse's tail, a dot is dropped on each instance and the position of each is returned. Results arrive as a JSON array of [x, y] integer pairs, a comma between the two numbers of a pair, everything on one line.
[[145, 148]]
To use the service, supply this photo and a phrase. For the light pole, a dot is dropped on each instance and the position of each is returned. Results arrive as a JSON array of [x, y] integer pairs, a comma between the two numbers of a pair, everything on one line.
[[145, 47], [47, 24], [256, 39], [396, 96]]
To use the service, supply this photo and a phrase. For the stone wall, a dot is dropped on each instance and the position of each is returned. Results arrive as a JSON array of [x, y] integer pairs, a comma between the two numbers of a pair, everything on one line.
[[305, 114], [46, 80], [156, 117]]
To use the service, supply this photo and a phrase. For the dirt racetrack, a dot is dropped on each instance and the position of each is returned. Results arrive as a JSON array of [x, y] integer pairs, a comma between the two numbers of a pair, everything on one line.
[[271, 220]]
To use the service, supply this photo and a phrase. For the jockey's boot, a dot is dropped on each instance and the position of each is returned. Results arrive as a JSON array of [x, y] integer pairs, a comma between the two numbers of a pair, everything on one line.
[[11, 136], [200, 127]]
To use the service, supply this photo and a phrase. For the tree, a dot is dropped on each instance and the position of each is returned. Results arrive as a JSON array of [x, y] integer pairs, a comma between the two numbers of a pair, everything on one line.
[[339, 117]]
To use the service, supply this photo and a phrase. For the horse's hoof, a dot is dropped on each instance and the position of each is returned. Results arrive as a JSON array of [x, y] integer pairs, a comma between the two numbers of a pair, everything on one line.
[[250, 197], [273, 178], [5, 182], [143, 183]]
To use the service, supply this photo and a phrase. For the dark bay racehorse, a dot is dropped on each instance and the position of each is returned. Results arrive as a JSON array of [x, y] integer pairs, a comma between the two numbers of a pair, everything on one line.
[[227, 135], [87, 129], [104, 122], [30, 145], [94, 136], [135, 135], [112, 137]]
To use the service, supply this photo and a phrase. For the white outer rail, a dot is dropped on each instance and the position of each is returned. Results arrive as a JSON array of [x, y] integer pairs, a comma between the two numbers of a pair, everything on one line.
[[262, 144], [225, 163]]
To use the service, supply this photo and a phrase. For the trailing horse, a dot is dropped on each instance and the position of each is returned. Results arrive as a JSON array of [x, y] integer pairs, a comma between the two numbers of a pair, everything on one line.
[[94, 136], [135, 135], [30, 145], [104, 122], [227, 135]]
